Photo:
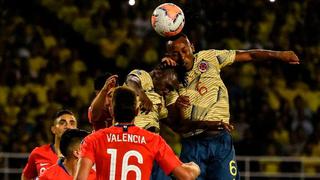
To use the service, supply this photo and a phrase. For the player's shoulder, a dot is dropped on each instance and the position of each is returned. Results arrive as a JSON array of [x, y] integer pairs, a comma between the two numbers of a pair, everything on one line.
[[97, 134], [149, 135], [41, 149], [138, 72], [214, 52]]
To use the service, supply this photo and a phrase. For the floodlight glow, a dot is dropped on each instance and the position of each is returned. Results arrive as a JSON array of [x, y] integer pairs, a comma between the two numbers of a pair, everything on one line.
[[132, 2]]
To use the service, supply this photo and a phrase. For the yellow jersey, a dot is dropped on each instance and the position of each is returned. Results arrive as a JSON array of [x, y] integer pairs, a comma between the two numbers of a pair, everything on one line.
[[159, 110], [207, 93]]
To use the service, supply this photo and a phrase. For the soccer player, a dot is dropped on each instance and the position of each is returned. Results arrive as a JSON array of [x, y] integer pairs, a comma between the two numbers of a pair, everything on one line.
[[125, 151], [98, 112], [66, 167], [45, 156], [202, 103], [150, 88]]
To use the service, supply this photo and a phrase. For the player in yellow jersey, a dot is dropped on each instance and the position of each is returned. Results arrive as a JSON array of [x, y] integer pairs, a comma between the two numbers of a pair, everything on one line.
[[202, 103], [151, 87]]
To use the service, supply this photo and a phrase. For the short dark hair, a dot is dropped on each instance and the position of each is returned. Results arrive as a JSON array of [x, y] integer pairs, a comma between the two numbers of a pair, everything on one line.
[[60, 113], [69, 139], [124, 103], [100, 81], [162, 72]]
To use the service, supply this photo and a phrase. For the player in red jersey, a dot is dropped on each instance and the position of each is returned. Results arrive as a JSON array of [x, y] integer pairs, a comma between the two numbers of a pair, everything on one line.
[[127, 151], [98, 112], [66, 167], [45, 156]]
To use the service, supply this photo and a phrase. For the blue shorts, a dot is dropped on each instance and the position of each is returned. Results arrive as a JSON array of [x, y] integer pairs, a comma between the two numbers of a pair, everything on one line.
[[157, 173], [215, 155]]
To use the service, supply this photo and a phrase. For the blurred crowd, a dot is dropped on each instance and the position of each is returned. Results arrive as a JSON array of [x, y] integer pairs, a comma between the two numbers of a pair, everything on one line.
[[275, 107]]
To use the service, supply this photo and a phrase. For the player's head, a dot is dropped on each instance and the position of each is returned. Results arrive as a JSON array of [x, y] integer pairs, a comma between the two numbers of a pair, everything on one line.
[[63, 120], [165, 79], [100, 81], [181, 50], [124, 104], [70, 142]]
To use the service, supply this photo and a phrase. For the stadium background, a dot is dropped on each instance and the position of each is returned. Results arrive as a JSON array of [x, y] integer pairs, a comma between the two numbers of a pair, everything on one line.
[[50, 52]]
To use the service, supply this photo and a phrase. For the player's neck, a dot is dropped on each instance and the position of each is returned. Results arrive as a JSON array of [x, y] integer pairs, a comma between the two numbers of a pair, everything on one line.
[[57, 147], [71, 166]]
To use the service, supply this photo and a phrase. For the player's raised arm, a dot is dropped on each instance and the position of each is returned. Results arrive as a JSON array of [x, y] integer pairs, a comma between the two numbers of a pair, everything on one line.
[[99, 101], [259, 54]]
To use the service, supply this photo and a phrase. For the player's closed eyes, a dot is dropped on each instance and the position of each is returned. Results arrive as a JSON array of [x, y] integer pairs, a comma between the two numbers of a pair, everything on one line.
[[62, 122]]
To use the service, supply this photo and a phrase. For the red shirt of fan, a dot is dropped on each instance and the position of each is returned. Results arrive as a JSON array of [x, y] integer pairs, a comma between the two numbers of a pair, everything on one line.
[[39, 160], [127, 152], [58, 171]]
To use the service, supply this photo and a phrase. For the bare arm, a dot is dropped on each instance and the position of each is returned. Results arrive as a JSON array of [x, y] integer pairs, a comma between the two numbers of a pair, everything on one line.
[[98, 104], [83, 169], [187, 171], [175, 119], [260, 55], [135, 83]]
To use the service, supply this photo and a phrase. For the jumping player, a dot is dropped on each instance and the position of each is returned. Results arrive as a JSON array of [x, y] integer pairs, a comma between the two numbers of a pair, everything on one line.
[[202, 103]]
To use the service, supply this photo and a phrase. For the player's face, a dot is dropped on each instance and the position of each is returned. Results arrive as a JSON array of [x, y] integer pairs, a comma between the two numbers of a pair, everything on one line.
[[181, 51], [62, 123], [166, 84]]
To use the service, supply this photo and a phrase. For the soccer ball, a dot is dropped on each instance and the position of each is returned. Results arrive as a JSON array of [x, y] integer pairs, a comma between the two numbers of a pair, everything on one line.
[[167, 19]]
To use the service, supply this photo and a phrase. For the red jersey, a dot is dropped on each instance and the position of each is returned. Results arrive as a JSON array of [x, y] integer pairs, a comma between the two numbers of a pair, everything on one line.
[[39, 160], [102, 122], [59, 172], [120, 152]]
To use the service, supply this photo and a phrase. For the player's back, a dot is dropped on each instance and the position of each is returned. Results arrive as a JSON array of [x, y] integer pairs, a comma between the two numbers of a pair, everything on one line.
[[127, 152]]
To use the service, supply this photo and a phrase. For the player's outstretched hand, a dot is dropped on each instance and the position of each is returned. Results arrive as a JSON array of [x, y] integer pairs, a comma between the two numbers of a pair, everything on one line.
[[111, 82], [289, 57]]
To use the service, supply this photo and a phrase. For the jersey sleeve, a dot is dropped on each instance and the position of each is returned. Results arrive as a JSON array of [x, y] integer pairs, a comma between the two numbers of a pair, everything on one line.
[[171, 98], [225, 57], [145, 79], [166, 158], [30, 170], [87, 148]]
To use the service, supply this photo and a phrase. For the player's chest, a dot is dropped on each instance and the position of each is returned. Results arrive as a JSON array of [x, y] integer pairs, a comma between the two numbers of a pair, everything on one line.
[[203, 79]]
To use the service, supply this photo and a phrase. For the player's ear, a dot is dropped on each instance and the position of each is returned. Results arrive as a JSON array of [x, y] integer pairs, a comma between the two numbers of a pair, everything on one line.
[[76, 153], [192, 47], [53, 130]]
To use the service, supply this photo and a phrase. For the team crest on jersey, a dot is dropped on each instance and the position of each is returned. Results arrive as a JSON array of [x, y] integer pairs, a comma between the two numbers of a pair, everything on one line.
[[203, 66]]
